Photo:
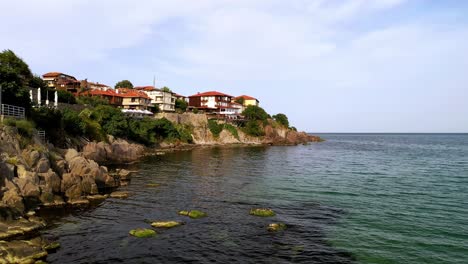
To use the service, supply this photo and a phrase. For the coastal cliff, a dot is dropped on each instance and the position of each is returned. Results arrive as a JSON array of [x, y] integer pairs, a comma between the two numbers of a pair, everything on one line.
[[274, 134]]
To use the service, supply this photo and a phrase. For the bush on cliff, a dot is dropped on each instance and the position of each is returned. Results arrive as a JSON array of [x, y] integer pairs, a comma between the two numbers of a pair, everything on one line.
[[253, 112], [72, 123], [112, 120], [181, 105], [254, 128], [66, 97], [214, 127], [282, 119]]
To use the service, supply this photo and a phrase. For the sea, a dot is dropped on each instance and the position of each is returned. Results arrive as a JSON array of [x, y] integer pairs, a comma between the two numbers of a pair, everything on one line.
[[355, 198]]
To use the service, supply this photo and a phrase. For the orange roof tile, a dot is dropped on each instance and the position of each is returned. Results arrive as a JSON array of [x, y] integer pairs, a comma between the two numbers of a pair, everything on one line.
[[246, 97], [211, 93]]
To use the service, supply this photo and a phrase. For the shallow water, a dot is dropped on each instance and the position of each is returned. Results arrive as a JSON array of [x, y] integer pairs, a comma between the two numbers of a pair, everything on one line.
[[351, 199]]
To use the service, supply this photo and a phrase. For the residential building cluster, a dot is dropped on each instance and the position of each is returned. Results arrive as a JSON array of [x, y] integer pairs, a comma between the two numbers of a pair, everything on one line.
[[142, 99]]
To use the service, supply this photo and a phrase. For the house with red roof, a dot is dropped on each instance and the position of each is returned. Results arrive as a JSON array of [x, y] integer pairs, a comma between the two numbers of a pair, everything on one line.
[[114, 98], [62, 81], [214, 102], [134, 99], [246, 100]]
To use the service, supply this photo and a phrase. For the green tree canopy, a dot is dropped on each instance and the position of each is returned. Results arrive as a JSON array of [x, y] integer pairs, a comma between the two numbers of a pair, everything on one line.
[[166, 89], [281, 119], [15, 78], [254, 112], [124, 84], [181, 104]]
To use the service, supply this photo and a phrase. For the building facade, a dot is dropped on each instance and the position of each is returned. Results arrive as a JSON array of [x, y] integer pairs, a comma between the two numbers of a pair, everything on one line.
[[62, 81], [213, 102], [164, 100]]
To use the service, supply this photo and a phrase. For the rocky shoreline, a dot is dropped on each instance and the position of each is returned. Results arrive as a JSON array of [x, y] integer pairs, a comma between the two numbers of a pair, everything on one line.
[[34, 176]]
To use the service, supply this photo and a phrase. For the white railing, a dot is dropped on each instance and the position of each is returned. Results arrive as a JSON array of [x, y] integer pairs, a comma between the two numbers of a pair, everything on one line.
[[41, 135], [12, 111]]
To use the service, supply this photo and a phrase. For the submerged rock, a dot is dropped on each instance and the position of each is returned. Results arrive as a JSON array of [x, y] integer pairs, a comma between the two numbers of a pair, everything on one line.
[[51, 246], [119, 195], [275, 227], [20, 227], [22, 251], [153, 185], [262, 212], [97, 197], [166, 224], [142, 233], [195, 214]]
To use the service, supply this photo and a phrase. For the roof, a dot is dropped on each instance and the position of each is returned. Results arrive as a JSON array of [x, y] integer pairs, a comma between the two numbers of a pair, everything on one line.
[[51, 74], [146, 88], [210, 93], [133, 93], [179, 95], [246, 97], [98, 84], [109, 92]]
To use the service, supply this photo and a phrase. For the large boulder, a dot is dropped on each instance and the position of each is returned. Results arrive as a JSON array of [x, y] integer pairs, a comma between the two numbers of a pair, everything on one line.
[[71, 186], [118, 151], [51, 180], [12, 198], [27, 188], [43, 165]]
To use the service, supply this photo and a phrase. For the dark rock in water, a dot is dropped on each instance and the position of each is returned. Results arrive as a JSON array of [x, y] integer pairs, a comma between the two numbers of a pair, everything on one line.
[[275, 227], [165, 224], [142, 233], [262, 212], [152, 185], [195, 214], [125, 175], [51, 246]]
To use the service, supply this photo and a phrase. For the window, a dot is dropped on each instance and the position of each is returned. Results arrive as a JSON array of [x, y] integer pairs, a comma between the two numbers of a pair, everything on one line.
[[133, 100]]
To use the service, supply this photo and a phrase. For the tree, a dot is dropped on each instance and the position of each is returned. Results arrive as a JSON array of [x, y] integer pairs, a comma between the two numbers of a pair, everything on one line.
[[282, 119], [124, 84], [253, 112], [181, 104], [166, 89], [15, 78], [240, 100]]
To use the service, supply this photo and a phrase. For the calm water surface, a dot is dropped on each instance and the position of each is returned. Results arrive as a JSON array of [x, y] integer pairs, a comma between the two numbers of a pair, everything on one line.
[[358, 198]]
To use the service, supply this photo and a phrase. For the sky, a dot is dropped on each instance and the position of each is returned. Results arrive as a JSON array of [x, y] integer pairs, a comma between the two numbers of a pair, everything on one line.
[[329, 65]]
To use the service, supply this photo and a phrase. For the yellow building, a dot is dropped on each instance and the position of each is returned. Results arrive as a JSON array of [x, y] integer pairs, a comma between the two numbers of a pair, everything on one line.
[[246, 100]]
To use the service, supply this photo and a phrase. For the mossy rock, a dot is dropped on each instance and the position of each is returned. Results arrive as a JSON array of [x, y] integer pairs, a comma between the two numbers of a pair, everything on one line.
[[51, 246], [142, 233], [153, 185], [275, 227], [262, 212], [165, 224], [195, 214]]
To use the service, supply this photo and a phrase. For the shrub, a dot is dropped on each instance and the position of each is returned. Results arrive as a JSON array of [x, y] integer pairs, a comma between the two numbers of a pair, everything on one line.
[[181, 105], [282, 119], [253, 128], [72, 123], [112, 120], [253, 112], [185, 133], [232, 129], [93, 129], [66, 97], [195, 110], [214, 127], [25, 127], [92, 101]]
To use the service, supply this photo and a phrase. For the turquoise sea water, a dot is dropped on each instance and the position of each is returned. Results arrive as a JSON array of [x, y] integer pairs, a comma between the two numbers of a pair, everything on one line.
[[356, 198]]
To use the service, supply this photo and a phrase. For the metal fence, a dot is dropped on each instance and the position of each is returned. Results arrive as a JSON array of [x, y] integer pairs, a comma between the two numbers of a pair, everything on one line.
[[12, 111], [41, 135]]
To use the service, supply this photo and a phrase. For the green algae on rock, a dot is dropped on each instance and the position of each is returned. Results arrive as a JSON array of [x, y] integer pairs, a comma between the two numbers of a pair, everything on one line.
[[275, 227], [142, 233], [165, 224], [51, 246], [195, 214], [262, 212], [152, 185]]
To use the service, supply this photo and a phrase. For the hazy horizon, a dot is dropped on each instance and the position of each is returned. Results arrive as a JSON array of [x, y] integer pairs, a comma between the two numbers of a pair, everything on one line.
[[348, 66]]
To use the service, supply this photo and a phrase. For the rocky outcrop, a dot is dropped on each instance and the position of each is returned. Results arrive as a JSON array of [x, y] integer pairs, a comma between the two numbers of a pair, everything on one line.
[[116, 152]]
